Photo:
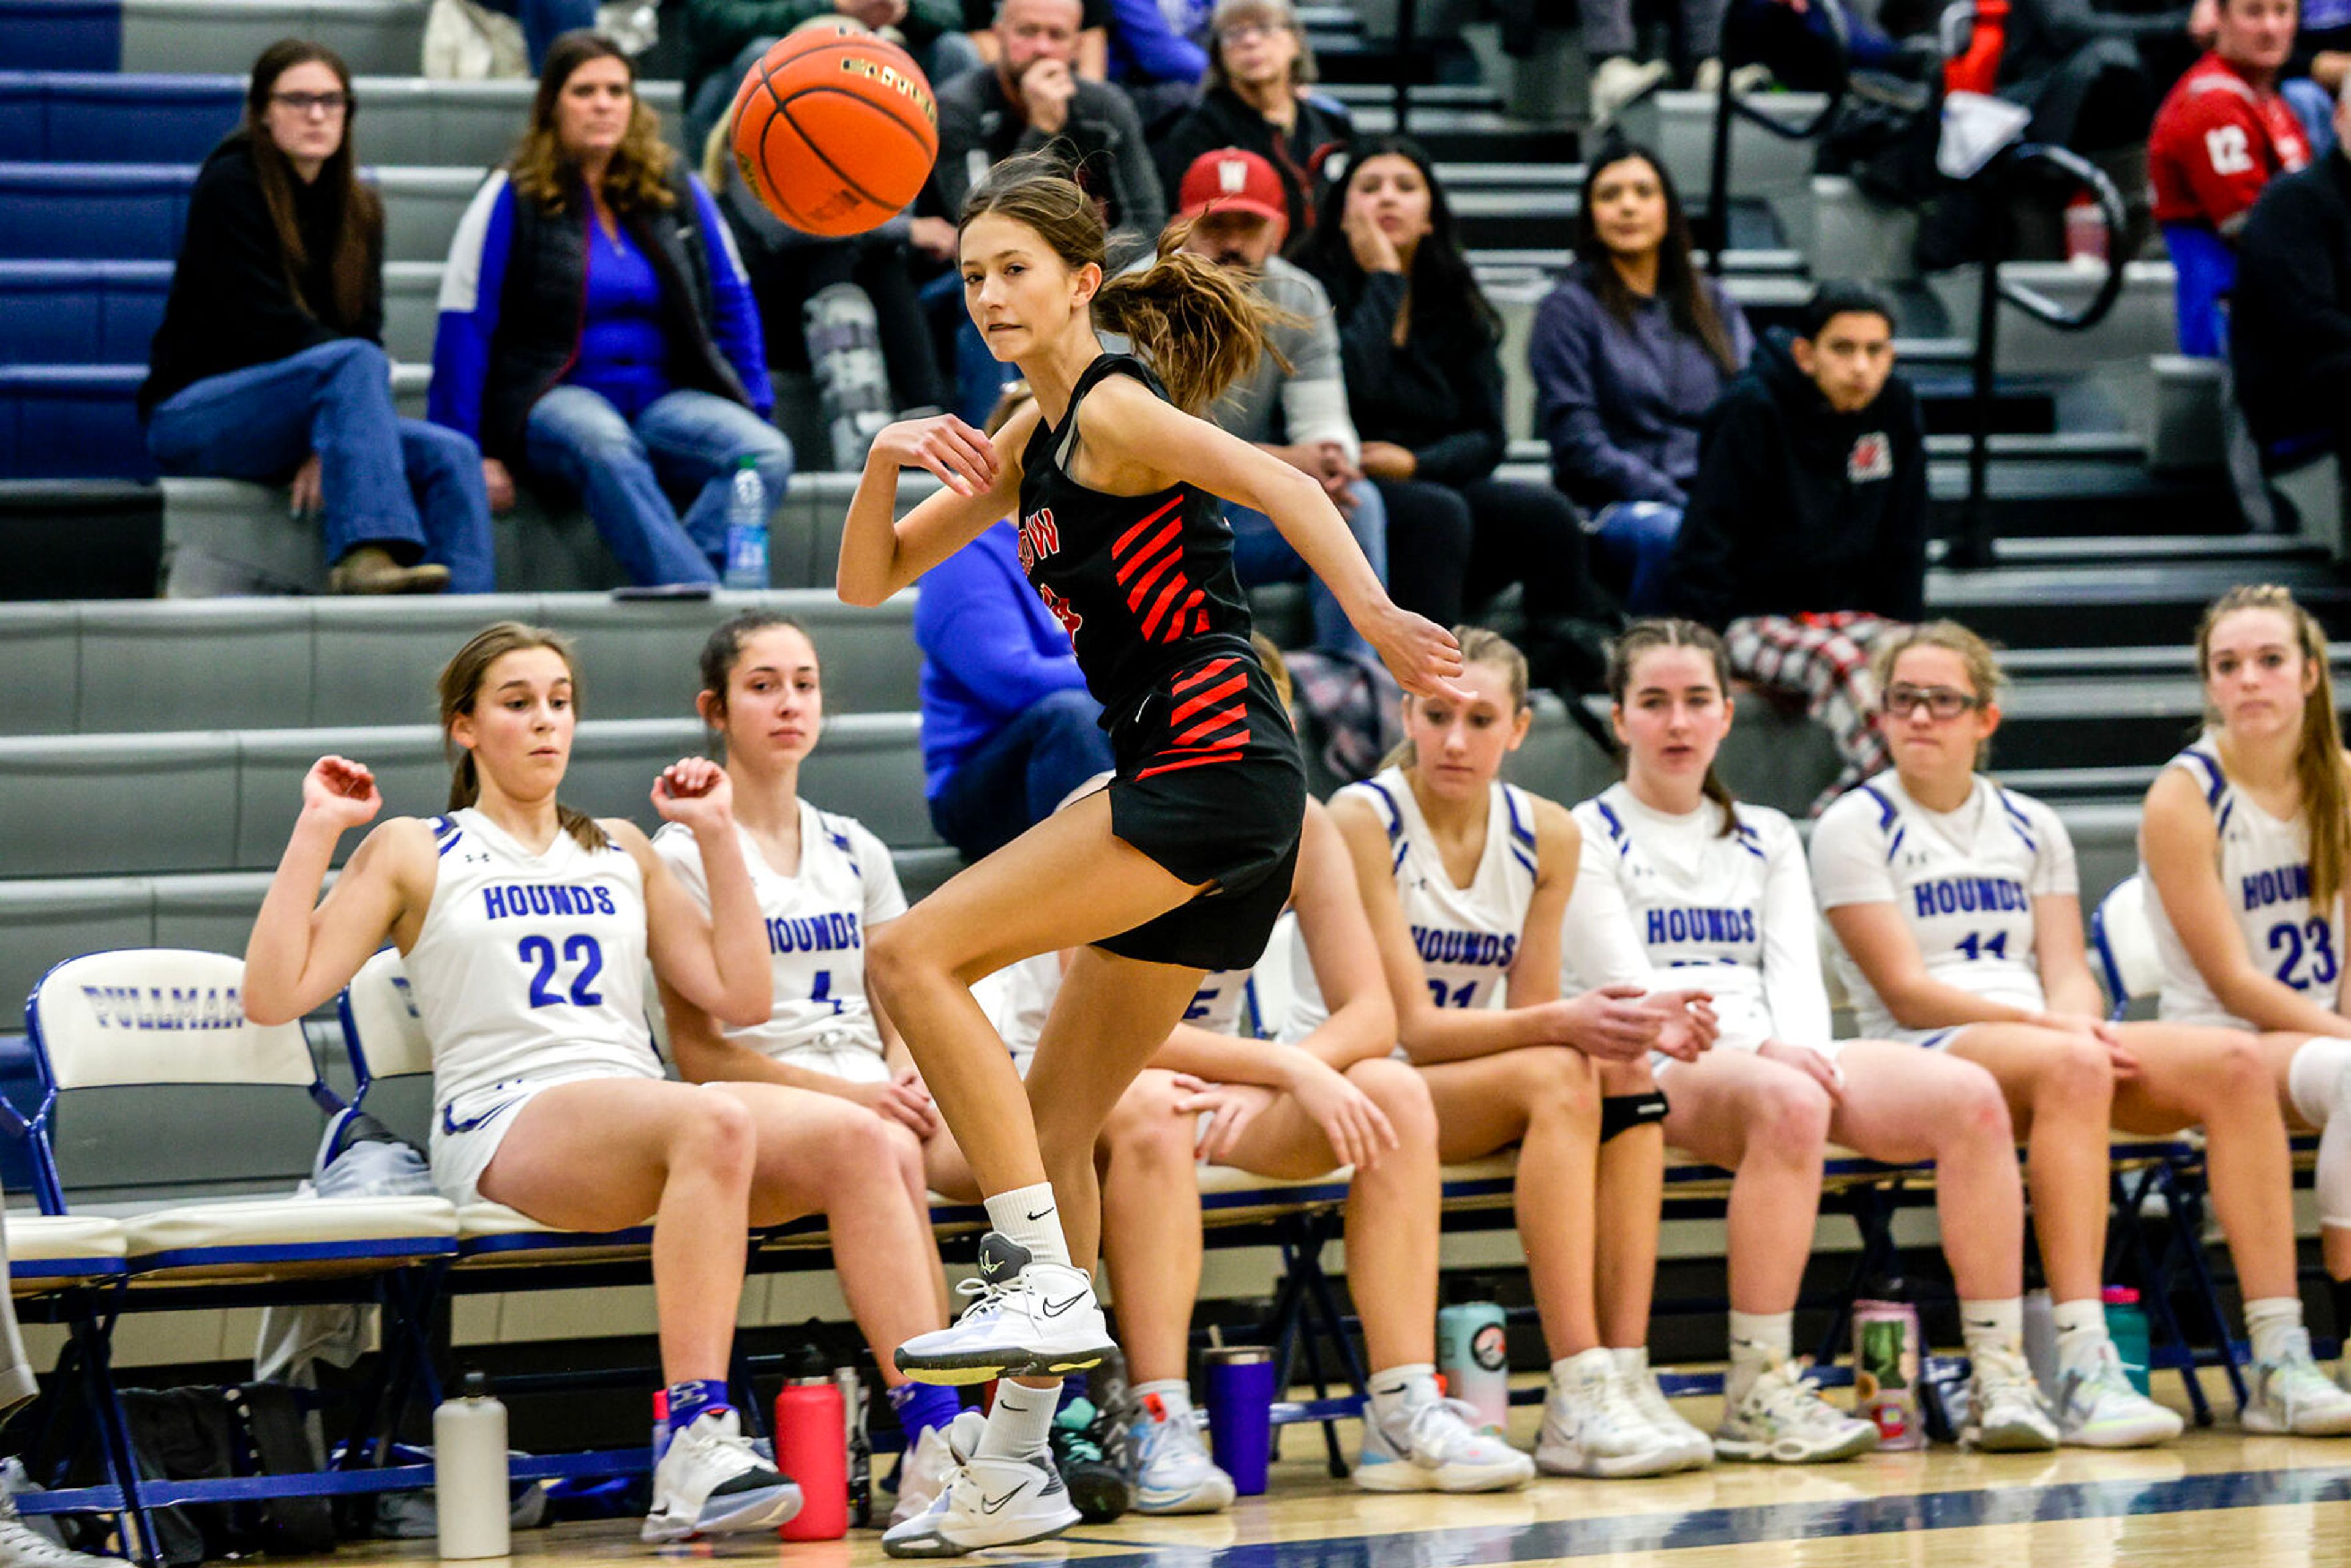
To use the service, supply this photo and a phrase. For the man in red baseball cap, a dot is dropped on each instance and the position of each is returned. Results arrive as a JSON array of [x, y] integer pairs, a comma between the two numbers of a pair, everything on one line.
[[1237, 196]]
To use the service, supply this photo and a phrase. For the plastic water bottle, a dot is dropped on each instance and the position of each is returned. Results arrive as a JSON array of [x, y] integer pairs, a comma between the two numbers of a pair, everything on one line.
[[746, 528], [1473, 1352], [2127, 1326], [469, 1472]]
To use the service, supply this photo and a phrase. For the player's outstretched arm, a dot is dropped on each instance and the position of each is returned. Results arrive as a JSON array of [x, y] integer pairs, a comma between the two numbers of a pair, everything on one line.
[[882, 553], [298, 955]]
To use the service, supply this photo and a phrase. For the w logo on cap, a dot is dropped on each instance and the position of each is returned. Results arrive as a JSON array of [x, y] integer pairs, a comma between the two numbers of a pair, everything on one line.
[[1232, 176]]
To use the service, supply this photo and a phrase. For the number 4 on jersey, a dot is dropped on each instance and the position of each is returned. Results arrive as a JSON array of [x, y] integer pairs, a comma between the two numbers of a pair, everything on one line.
[[1974, 945]]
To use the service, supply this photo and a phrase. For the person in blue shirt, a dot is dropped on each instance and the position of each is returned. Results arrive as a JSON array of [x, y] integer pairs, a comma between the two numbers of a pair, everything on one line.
[[598, 331], [1008, 727]]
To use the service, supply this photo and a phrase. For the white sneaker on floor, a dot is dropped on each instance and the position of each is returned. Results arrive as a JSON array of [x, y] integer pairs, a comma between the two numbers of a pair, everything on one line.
[[2006, 1414], [1617, 82], [22, 1546], [2291, 1395], [711, 1481], [1435, 1445], [1783, 1421], [922, 1471], [1591, 1426], [984, 1503], [1693, 1447], [1173, 1472], [1029, 1320], [2098, 1408]]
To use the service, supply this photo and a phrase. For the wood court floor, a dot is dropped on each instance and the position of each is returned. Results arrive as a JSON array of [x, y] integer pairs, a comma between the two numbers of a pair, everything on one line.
[[2214, 1499]]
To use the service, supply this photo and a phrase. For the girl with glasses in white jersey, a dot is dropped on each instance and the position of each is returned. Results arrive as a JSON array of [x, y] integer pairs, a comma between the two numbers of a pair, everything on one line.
[[1957, 910], [1465, 879], [1682, 882], [525, 928], [849, 1110], [2244, 850]]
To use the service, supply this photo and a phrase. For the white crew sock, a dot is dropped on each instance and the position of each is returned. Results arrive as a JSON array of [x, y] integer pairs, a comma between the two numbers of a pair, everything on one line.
[[1019, 1422], [2269, 1322], [1028, 1217], [2081, 1330], [1995, 1325], [1759, 1341]]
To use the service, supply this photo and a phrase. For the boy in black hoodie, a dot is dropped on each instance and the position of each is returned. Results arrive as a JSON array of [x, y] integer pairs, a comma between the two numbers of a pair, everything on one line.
[[1805, 538]]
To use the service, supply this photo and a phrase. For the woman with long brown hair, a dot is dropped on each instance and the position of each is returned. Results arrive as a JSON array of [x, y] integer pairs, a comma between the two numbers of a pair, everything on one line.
[[525, 928], [1179, 867], [269, 364], [596, 329]]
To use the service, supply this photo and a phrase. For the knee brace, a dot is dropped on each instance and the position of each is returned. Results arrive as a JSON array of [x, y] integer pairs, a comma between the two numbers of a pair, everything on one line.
[[1622, 1113]]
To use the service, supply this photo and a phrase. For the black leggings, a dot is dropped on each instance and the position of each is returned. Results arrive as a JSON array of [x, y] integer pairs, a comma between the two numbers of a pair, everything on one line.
[[1452, 547]]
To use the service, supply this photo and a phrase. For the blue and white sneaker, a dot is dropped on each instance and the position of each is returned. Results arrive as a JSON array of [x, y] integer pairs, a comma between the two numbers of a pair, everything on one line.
[[1176, 1474], [1434, 1444], [1029, 1320], [711, 1481], [985, 1502], [2292, 1397]]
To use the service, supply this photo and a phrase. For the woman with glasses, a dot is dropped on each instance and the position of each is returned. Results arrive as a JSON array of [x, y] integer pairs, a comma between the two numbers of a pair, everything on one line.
[[1959, 911], [1255, 98], [269, 363]]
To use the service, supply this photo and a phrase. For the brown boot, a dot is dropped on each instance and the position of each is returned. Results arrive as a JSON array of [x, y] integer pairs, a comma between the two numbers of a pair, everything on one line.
[[369, 568]]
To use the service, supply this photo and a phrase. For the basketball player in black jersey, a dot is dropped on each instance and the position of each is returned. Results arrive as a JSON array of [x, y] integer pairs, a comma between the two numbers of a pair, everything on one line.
[[1181, 865]]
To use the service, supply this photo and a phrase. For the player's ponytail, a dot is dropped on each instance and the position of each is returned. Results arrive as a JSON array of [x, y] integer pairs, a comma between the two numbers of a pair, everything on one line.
[[2318, 761], [460, 687], [1479, 645], [1667, 631], [1197, 325]]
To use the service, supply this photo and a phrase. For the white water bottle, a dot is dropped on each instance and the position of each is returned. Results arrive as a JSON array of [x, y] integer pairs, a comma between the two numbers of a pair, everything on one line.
[[746, 528], [469, 1472]]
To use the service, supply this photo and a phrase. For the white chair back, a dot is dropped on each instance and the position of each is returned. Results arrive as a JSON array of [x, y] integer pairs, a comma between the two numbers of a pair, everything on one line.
[[2126, 943], [159, 1015], [380, 1029], [1272, 990]]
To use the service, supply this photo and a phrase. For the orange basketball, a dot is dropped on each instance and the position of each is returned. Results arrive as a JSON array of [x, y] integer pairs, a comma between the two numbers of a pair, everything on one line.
[[835, 129]]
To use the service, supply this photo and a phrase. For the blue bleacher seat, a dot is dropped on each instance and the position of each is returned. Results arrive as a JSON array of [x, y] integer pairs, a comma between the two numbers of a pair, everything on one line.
[[75, 117], [80, 312], [61, 34], [72, 421], [129, 211]]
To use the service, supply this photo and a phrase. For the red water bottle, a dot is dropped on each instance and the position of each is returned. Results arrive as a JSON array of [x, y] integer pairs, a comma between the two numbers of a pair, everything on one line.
[[1977, 69], [811, 1448]]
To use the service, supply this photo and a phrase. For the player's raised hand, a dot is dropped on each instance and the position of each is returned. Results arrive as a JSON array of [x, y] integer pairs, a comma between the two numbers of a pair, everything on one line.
[[963, 457], [341, 793], [1421, 655], [695, 791]]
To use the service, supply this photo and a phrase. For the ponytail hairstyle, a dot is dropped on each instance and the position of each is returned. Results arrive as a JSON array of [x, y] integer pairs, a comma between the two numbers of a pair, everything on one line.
[[358, 227], [1651, 633], [1976, 655], [724, 649], [1479, 645], [1199, 328], [460, 687], [2318, 761], [1277, 668]]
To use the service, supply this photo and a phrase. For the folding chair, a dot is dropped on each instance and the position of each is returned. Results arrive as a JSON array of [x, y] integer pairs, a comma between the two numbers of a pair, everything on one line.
[[2120, 934]]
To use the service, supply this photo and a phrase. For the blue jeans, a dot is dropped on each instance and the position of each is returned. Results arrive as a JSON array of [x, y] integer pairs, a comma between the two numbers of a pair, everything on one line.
[[2203, 271], [1012, 780], [1262, 555], [544, 21], [2314, 106], [623, 471], [414, 488], [1636, 540]]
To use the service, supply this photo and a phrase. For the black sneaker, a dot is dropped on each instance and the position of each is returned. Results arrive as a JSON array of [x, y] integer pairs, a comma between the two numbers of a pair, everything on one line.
[[1089, 1451]]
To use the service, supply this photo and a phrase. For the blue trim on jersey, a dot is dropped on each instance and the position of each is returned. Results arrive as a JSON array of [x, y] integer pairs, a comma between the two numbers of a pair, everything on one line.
[[1396, 864], [1893, 844], [1396, 812], [443, 826], [1616, 828], [2017, 820], [840, 842], [1885, 811], [1521, 832], [2216, 783], [452, 1126], [1524, 858], [1749, 839], [2228, 807], [450, 843]]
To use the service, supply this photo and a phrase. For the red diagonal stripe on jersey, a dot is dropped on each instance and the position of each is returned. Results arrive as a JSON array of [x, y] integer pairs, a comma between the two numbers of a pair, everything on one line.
[[1237, 714], [1225, 692], [1148, 548], [1176, 627], [1207, 671], [1118, 545], [1189, 762], [1176, 585], [1142, 590]]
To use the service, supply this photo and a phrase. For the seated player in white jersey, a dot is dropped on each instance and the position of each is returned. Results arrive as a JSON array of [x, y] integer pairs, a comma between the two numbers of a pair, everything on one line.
[[1682, 882], [849, 1104], [1958, 913], [2244, 851], [1465, 879], [524, 928], [1333, 1096]]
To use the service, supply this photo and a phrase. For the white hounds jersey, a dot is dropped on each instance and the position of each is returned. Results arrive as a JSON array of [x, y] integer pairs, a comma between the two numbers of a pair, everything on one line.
[[529, 971], [816, 923], [2265, 877], [1467, 937], [1962, 880], [1673, 902]]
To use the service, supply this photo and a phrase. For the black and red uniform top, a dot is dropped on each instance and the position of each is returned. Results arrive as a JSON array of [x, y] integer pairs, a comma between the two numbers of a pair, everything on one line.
[[1143, 584]]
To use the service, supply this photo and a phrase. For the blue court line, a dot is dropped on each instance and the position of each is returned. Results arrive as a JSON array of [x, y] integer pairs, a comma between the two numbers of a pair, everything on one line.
[[1499, 1543]]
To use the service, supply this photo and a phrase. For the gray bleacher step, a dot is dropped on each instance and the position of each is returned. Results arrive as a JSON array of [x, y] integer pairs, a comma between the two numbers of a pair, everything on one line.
[[1680, 126], [375, 37], [233, 795], [1361, 95], [131, 668], [2114, 604], [1471, 134]]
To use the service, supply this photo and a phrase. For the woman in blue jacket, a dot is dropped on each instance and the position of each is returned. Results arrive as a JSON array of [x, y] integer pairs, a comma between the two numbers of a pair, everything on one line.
[[598, 331]]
